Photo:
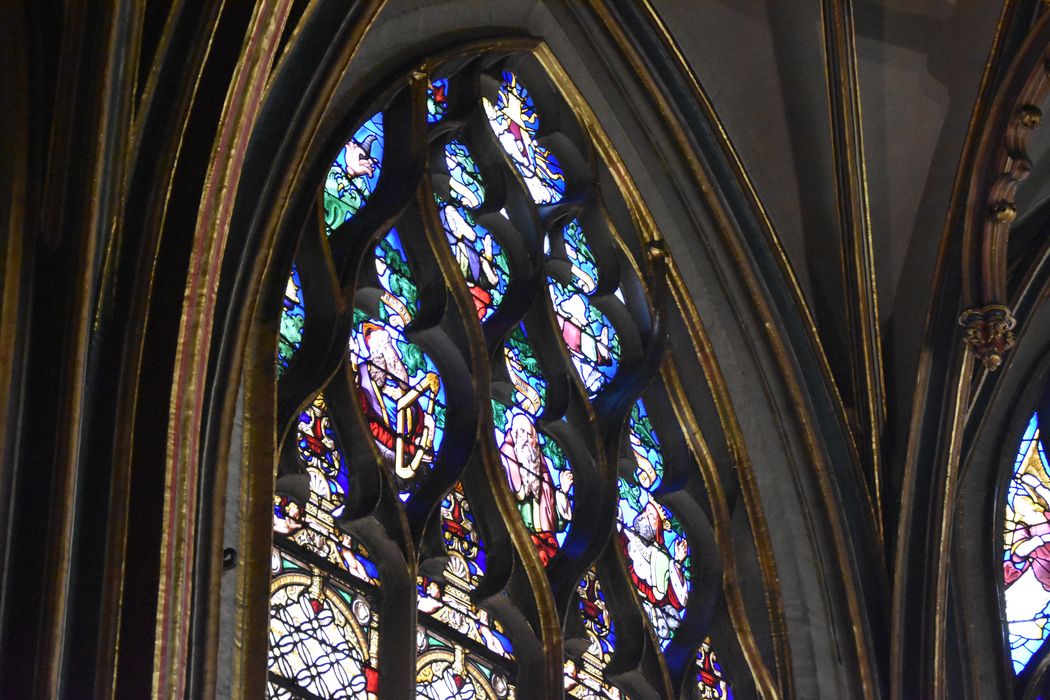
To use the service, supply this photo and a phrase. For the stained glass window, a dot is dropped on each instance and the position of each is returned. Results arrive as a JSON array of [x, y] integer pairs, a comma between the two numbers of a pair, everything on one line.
[[710, 679], [354, 174], [1026, 554], [516, 124], [482, 351], [293, 318], [584, 670]]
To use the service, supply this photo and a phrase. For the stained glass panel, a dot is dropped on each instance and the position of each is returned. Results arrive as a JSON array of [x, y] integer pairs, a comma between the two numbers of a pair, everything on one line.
[[657, 558], [584, 267], [589, 336], [401, 395], [646, 448], [530, 388], [449, 602], [395, 277], [323, 637], [1026, 549], [293, 317], [312, 525], [710, 679], [514, 120], [584, 672], [437, 100], [481, 259], [354, 174], [466, 186], [539, 476], [445, 671]]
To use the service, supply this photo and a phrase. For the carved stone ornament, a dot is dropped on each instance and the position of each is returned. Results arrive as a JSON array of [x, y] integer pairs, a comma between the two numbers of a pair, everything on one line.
[[989, 333]]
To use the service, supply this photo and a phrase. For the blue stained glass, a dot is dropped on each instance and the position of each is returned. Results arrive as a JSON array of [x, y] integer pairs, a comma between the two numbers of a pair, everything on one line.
[[293, 318], [449, 601], [646, 448], [437, 100], [481, 259], [584, 677], [466, 185], [515, 122], [395, 276], [354, 174], [584, 268], [530, 388], [539, 476], [310, 525], [1026, 549], [710, 678], [589, 336], [401, 394], [657, 556]]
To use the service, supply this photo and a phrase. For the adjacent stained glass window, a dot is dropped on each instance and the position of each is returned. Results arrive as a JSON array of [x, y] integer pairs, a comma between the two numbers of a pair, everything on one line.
[[482, 352], [1026, 552]]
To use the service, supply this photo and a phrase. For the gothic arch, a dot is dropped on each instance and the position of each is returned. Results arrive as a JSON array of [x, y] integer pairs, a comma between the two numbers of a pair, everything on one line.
[[224, 200]]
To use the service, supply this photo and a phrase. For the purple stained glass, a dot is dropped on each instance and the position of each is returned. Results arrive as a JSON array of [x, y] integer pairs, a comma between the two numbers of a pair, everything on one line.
[[481, 259]]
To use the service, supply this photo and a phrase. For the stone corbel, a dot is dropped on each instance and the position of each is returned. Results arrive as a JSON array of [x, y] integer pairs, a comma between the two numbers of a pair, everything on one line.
[[989, 333]]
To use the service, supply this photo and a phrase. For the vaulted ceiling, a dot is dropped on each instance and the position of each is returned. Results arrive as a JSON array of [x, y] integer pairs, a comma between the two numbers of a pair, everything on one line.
[[920, 64]]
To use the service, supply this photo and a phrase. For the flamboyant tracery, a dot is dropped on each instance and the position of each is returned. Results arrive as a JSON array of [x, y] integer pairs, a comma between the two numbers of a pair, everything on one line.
[[518, 231]]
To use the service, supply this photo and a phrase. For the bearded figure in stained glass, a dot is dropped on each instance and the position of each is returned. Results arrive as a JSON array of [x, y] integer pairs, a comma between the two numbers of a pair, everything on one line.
[[399, 404], [658, 555], [353, 174], [544, 508]]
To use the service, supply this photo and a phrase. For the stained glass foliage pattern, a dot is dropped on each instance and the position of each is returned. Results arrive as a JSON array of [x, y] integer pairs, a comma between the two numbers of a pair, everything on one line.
[[323, 637], [312, 525], [446, 671], [516, 124], [530, 388], [1026, 549], [447, 603], [354, 174], [539, 476], [657, 558], [645, 446], [395, 277], [437, 100], [584, 672], [480, 257], [465, 183], [584, 267], [589, 336], [711, 682], [293, 318]]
